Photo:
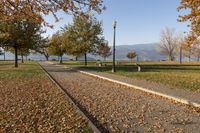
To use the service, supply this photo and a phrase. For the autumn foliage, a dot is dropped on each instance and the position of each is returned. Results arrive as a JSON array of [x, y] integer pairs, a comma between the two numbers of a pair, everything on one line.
[[104, 50], [131, 55], [35, 9], [193, 16]]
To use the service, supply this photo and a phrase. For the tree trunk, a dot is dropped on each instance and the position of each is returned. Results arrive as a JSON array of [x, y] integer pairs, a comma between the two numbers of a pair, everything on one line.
[[61, 60], [189, 58], [198, 58], [47, 57], [22, 58], [16, 56], [170, 57], [189, 55], [76, 58], [85, 59], [181, 55]]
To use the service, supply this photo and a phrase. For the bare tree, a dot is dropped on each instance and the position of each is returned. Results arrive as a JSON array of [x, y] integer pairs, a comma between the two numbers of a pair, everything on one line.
[[167, 43], [188, 51], [190, 46], [180, 46], [42, 48], [196, 49]]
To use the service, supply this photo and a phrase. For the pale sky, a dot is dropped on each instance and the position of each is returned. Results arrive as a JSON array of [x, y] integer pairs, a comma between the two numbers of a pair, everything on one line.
[[138, 21]]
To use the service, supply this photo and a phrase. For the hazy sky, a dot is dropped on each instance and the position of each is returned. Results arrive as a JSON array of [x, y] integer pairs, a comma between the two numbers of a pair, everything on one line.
[[138, 21]]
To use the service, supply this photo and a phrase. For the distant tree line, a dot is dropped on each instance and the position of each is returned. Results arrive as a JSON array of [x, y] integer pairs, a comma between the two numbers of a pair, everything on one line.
[[84, 35], [172, 45]]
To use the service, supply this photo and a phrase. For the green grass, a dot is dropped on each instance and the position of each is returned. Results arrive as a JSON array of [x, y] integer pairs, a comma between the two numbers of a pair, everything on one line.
[[28, 69], [181, 77], [185, 76]]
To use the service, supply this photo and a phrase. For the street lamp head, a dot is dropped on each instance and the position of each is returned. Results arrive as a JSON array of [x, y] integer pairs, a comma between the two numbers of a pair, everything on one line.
[[114, 24]]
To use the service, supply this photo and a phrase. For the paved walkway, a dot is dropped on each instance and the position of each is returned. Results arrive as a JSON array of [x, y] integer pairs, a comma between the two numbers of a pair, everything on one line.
[[165, 89], [115, 108]]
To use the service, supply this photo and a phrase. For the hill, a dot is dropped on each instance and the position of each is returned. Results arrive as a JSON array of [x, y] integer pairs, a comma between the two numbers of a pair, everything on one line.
[[145, 52]]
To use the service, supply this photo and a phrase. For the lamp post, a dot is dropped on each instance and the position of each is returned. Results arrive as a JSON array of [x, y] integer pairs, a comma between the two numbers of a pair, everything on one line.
[[114, 27]]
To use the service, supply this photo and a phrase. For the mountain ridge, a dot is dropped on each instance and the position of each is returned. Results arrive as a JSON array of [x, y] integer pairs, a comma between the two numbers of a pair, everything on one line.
[[146, 52]]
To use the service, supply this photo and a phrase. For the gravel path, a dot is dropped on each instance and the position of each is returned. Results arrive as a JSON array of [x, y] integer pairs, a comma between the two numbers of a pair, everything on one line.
[[165, 89], [115, 108]]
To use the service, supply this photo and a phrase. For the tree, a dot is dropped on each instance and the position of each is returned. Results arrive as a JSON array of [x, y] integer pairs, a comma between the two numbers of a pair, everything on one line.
[[23, 52], [181, 44], [188, 52], [189, 45], [1, 52], [15, 35], [83, 35], [104, 50], [56, 46], [192, 49], [197, 49], [42, 48], [197, 53], [193, 16], [131, 55], [167, 43], [35, 10]]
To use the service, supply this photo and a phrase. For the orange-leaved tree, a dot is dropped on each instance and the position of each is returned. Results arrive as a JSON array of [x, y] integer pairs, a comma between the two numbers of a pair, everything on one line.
[[193, 15], [131, 55], [56, 46], [104, 50], [35, 10]]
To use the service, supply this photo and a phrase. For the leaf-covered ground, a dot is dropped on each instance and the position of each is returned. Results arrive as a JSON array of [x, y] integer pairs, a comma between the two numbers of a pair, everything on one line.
[[120, 109], [30, 102]]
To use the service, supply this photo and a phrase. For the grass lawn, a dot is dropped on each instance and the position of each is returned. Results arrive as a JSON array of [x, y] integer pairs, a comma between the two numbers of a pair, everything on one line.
[[185, 76], [30, 102]]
